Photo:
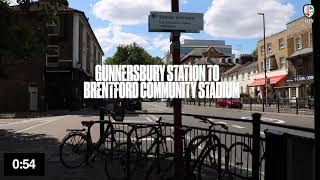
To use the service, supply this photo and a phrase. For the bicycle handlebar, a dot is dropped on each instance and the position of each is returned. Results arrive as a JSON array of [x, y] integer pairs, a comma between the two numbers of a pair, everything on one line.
[[206, 120]]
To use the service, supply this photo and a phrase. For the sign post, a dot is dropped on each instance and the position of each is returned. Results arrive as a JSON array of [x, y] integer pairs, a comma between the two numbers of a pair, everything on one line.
[[176, 22]]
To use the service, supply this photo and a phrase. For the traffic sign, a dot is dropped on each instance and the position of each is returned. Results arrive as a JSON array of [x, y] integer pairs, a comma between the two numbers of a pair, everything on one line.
[[175, 21]]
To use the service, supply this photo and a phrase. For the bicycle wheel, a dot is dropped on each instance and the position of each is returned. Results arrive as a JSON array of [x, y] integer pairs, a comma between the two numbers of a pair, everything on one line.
[[208, 165], [118, 161], [119, 136], [73, 150]]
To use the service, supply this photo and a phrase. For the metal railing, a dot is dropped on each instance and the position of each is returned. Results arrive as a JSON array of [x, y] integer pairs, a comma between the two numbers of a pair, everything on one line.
[[279, 105], [243, 155]]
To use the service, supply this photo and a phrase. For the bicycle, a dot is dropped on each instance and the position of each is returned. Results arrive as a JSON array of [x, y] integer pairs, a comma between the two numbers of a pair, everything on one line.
[[208, 151], [132, 158], [78, 149]]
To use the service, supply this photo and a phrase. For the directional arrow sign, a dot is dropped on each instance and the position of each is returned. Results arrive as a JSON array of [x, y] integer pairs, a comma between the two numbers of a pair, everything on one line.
[[175, 21]]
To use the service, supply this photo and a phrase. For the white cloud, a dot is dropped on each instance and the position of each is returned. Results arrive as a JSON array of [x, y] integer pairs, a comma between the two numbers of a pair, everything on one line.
[[113, 35], [239, 19], [128, 12]]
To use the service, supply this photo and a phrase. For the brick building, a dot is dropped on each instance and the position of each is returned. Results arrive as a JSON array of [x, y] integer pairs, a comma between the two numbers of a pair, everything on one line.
[[299, 82], [53, 79], [276, 63]]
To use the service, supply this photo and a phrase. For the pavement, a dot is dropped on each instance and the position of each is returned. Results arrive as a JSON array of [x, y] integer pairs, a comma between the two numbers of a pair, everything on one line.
[[44, 134]]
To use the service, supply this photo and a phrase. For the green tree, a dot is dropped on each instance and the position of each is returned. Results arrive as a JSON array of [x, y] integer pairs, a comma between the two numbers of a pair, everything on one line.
[[132, 54], [24, 32], [255, 53]]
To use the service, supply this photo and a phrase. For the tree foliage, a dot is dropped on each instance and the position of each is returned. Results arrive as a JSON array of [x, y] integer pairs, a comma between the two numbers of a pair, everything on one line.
[[255, 53], [132, 54], [24, 33]]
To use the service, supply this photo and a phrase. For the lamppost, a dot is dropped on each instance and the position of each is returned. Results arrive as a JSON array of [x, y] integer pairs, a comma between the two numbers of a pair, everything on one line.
[[265, 61]]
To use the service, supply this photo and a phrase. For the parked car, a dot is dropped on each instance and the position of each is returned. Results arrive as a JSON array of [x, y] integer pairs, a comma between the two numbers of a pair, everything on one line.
[[229, 103], [134, 104], [169, 102]]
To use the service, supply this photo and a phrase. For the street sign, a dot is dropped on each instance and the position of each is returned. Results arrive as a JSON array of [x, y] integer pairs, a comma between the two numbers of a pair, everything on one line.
[[175, 21]]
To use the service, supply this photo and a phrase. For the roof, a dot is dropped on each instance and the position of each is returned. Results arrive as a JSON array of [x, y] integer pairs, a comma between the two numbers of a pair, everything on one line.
[[270, 36], [61, 9], [239, 67], [198, 52], [301, 52]]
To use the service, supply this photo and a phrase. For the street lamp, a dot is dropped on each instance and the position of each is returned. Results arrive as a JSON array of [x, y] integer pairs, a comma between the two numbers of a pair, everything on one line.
[[265, 60]]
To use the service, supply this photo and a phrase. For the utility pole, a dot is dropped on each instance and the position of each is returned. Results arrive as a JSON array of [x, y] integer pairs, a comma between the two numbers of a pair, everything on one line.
[[316, 58], [178, 146]]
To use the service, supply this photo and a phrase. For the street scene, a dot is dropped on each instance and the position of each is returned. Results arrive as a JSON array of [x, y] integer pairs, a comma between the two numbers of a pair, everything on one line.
[[173, 89]]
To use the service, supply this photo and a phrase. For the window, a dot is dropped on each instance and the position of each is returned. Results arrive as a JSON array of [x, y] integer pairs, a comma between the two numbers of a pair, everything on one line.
[[299, 70], [298, 43], [53, 26], [293, 92], [229, 78], [52, 54], [281, 43], [310, 39], [262, 49], [269, 47], [262, 65], [282, 63], [243, 77]]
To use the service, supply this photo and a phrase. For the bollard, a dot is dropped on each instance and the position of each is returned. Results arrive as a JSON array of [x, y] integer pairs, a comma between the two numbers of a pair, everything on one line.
[[278, 105], [297, 104], [102, 113], [256, 117], [210, 103], [250, 104], [204, 102]]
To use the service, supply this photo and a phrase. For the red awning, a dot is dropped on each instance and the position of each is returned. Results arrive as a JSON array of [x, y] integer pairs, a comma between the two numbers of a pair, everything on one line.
[[273, 80]]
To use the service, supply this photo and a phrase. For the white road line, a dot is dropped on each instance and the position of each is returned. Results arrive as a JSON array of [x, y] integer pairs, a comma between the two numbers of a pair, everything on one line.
[[236, 126], [158, 106], [40, 124], [149, 119], [221, 122], [19, 122], [153, 117]]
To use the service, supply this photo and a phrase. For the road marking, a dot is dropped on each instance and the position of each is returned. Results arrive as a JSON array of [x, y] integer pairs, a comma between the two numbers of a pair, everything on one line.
[[158, 106], [221, 122], [153, 117], [273, 120], [49, 121], [148, 119], [19, 122], [236, 126]]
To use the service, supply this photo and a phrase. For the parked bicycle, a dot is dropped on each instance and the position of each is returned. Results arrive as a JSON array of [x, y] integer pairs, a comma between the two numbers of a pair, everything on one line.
[[135, 156], [77, 148], [210, 147]]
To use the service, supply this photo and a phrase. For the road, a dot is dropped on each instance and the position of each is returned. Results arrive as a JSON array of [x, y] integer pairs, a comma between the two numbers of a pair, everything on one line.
[[45, 134]]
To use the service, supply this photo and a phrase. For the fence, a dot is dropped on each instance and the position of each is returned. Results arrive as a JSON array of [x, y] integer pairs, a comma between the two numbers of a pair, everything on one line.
[[243, 155], [278, 105]]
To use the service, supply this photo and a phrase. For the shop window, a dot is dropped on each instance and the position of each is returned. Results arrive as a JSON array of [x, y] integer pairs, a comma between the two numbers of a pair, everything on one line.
[[293, 92]]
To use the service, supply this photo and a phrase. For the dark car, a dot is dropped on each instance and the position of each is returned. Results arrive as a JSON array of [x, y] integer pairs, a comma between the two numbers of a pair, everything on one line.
[[169, 103], [229, 103]]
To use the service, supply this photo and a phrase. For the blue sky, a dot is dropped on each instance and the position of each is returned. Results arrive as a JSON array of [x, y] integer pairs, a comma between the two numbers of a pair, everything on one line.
[[236, 21]]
